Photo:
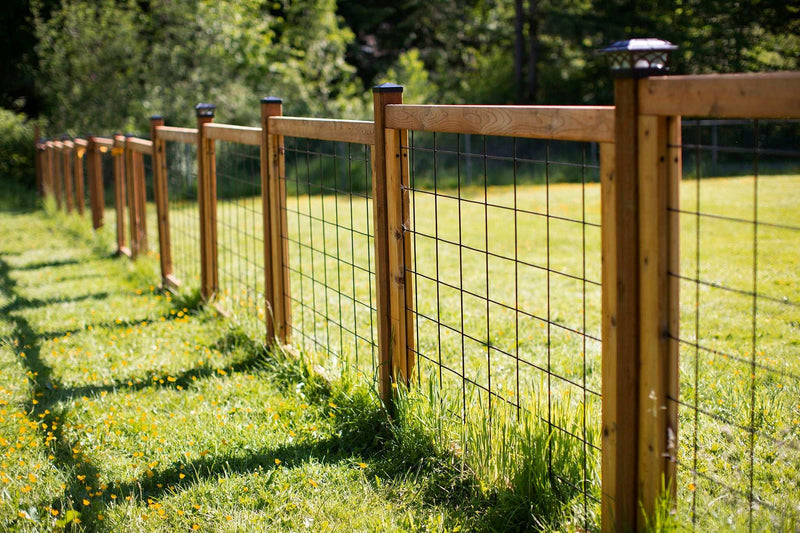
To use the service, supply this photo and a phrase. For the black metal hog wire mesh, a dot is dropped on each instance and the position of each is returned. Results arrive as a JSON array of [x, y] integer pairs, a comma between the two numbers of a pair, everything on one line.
[[739, 404], [184, 214], [506, 274], [330, 239], [240, 229]]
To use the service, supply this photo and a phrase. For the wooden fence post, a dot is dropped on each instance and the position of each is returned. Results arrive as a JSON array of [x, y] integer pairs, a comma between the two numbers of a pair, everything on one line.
[[117, 155], [639, 298], [276, 248], [79, 151], [207, 200], [161, 194], [49, 177], [58, 173], [620, 366], [392, 249], [66, 161], [96, 188], [659, 182]]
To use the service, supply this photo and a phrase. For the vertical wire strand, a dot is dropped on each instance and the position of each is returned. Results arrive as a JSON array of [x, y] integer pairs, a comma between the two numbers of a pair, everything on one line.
[[753, 346], [695, 444], [515, 163], [486, 281], [584, 488], [549, 318]]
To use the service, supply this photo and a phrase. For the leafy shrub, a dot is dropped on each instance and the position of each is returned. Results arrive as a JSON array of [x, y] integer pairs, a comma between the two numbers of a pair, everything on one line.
[[17, 149]]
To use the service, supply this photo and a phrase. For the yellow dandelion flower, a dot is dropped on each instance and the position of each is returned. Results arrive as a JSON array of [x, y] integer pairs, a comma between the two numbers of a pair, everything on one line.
[[277, 461], [85, 501]]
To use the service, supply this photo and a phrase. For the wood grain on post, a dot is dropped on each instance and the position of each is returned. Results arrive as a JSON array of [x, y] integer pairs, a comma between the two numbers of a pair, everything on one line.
[[620, 366], [161, 193], [655, 307], [276, 247], [390, 206], [207, 200]]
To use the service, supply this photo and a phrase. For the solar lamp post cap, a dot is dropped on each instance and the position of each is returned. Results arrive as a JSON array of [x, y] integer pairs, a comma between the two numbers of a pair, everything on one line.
[[639, 58], [205, 110]]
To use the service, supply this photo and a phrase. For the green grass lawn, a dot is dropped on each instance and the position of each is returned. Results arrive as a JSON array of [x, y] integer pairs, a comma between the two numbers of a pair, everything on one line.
[[186, 419], [125, 409]]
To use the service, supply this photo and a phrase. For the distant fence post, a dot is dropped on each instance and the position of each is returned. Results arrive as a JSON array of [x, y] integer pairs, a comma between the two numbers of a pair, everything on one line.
[[49, 170], [117, 155], [392, 249], [94, 165], [276, 248], [66, 159], [636, 298], [161, 193], [58, 173], [207, 200], [79, 150]]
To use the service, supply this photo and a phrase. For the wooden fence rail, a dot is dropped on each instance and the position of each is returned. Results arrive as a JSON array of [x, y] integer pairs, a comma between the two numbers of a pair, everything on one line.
[[640, 172]]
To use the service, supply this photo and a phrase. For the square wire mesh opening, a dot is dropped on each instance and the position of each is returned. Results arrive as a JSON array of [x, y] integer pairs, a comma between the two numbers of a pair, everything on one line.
[[331, 249], [184, 214], [739, 405], [240, 230], [506, 275]]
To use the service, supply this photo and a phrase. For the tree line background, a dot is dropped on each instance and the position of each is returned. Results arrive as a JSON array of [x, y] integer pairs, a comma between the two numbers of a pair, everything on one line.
[[100, 66]]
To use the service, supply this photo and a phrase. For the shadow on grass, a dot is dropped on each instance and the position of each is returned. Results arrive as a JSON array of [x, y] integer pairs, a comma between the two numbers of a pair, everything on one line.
[[360, 430]]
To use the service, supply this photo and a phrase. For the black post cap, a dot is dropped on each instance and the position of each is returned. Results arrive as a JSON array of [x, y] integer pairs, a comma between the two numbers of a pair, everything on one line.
[[205, 110], [156, 117], [271, 100], [387, 88], [639, 58]]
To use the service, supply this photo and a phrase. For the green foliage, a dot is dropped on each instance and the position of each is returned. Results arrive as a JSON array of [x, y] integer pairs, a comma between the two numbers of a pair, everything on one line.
[[90, 56], [17, 152]]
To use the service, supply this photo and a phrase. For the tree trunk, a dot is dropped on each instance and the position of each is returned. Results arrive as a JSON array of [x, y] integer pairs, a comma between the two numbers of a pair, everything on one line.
[[519, 49], [533, 56]]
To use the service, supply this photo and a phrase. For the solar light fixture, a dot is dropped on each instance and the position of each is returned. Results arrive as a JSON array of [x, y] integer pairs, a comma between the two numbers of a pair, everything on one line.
[[205, 110], [639, 58]]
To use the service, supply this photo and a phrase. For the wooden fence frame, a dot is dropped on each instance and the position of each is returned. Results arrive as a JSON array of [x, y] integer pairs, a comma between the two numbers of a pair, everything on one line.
[[640, 170]]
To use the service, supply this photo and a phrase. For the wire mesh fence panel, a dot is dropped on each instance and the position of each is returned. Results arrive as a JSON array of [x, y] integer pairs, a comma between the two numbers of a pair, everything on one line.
[[506, 273], [739, 404], [184, 215], [240, 231], [150, 204], [109, 188], [330, 240]]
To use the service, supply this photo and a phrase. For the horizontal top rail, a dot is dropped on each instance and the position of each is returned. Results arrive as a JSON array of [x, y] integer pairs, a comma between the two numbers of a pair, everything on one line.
[[181, 135], [234, 134], [761, 95], [68, 145], [574, 123], [83, 143], [143, 146], [103, 141], [351, 131], [58, 145], [119, 141]]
